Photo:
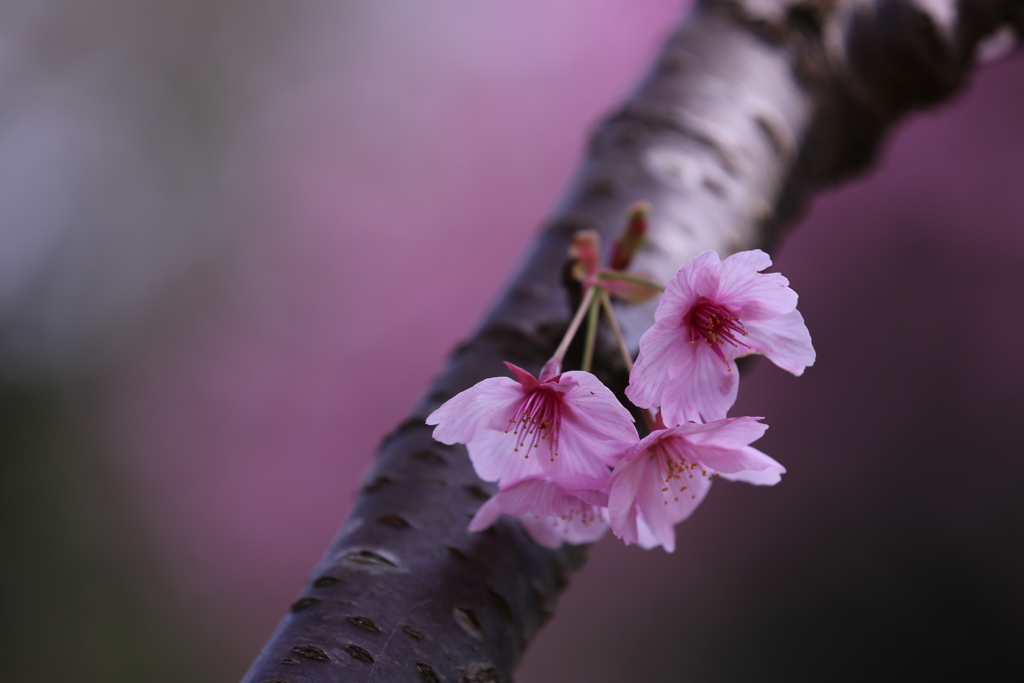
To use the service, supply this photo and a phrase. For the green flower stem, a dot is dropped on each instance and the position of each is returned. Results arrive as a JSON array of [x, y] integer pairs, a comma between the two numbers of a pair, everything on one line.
[[563, 346], [650, 415], [606, 301], [588, 349]]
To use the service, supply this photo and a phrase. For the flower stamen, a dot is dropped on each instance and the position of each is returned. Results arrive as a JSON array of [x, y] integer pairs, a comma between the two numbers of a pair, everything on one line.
[[537, 419], [715, 325]]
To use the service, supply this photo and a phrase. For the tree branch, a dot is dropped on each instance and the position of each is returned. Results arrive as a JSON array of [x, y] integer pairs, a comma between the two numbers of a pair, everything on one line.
[[752, 107]]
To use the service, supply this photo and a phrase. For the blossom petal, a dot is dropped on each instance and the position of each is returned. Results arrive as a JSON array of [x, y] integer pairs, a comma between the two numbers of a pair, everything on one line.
[[662, 510], [764, 470], [654, 509], [595, 498], [644, 444], [751, 295], [700, 385], [784, 340], [495, 458], [647, 541], [595, 429], [551, 532], [622, 511], [582, 461], [676, 395], [686, 287], [579, 530], [714, 387], [487, 404], [487, 515], [659, 347], [732, 432], [729, 460], [543, 531], [737, 265], [549, 514], [536, 496], [721, 446], [595, 407]]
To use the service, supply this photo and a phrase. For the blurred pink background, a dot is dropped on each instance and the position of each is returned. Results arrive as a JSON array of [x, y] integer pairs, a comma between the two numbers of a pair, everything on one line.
[[240, 239]]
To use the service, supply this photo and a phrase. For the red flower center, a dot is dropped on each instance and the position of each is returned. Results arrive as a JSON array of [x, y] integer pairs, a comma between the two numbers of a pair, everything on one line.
[[538, 419], [715, 325]]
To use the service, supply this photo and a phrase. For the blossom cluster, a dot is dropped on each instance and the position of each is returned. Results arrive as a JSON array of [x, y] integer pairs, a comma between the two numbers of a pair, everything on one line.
[[564, 451]]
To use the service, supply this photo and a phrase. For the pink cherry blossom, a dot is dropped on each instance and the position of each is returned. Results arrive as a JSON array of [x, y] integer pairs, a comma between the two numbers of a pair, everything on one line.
[[568, 428], [711, 313], [663, 478], [549, 513]]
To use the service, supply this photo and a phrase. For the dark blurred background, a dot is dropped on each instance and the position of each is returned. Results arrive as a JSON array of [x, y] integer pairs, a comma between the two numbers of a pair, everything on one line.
[[238, 238]]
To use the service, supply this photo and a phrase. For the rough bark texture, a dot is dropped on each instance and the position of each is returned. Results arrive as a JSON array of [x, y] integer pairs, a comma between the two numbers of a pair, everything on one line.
[[752, 106]]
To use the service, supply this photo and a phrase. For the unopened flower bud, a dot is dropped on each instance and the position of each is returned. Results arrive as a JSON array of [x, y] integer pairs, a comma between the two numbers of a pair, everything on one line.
[[632, 238]]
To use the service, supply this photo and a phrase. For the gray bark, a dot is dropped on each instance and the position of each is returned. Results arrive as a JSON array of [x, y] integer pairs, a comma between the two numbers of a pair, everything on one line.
[[751, 108]]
